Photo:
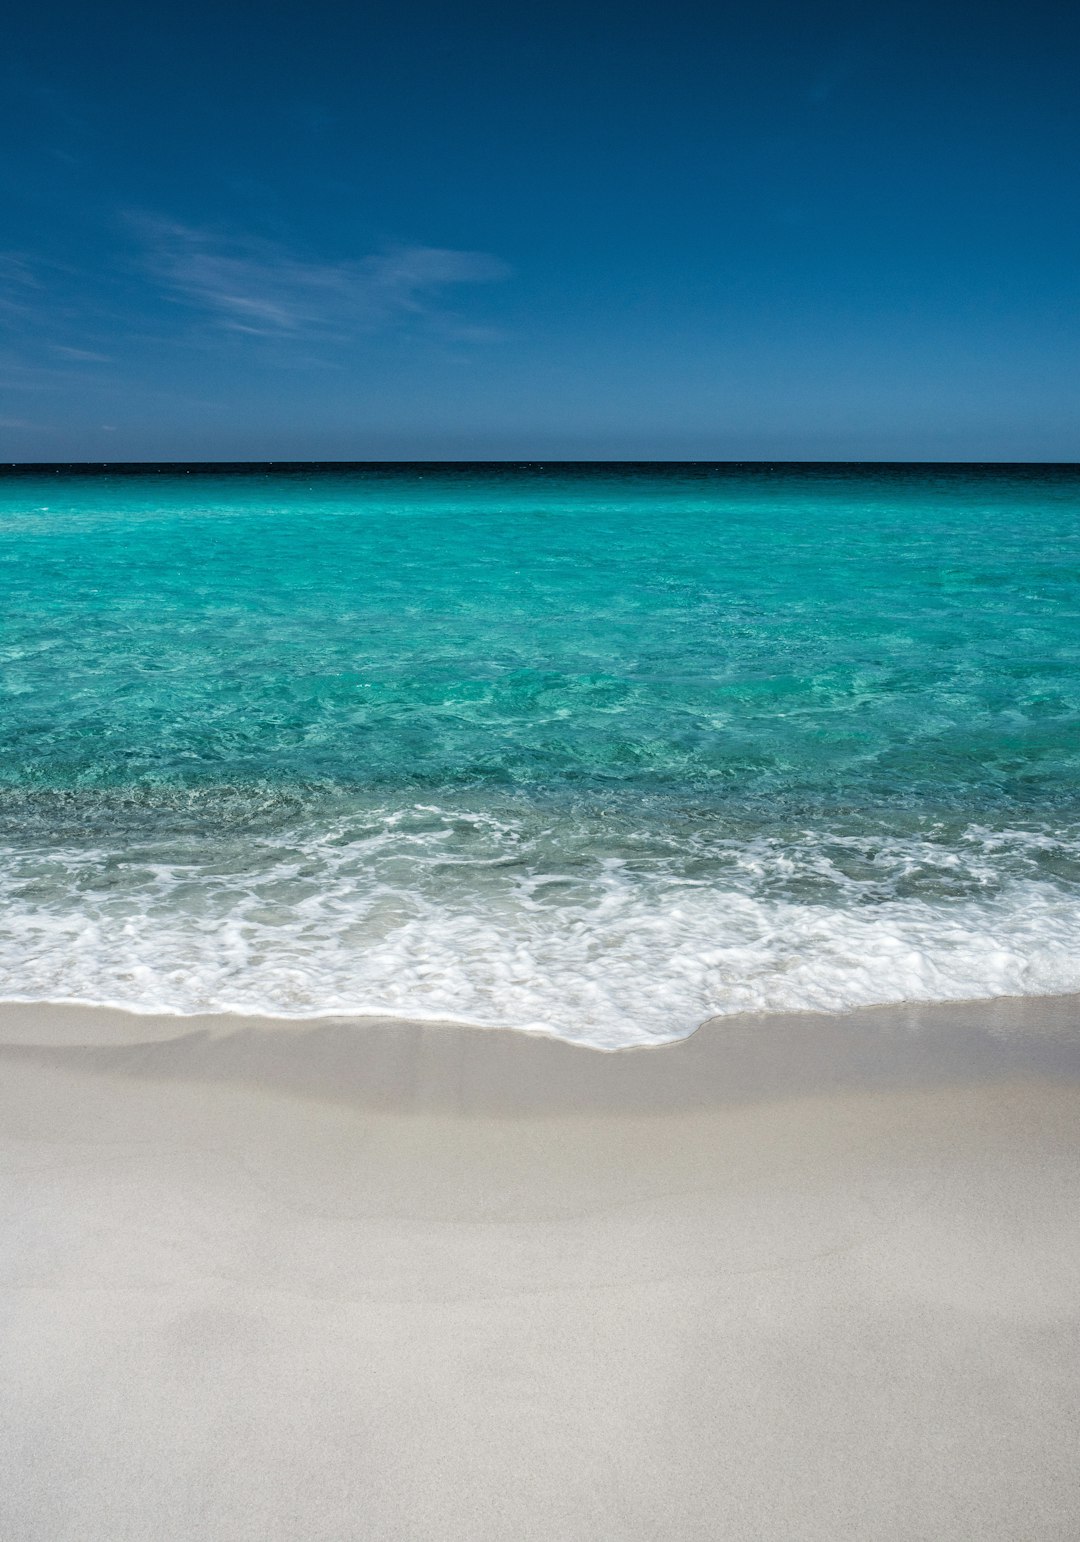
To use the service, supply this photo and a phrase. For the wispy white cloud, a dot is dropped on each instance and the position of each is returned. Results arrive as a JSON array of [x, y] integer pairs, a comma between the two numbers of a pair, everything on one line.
[[19, 284], [17, 374], [80, 355], [249, 285], [43, 299], [19, 423]]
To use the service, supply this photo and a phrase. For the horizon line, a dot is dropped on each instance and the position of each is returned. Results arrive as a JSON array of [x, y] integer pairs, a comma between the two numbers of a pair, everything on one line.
[[516, 462]]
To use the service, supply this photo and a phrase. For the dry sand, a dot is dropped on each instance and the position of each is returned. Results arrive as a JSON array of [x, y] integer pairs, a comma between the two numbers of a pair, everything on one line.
[[799, 1277]]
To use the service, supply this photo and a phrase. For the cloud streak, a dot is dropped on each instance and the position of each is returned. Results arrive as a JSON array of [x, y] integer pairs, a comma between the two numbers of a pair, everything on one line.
[[19, 285], [80, 355], [248, 285]]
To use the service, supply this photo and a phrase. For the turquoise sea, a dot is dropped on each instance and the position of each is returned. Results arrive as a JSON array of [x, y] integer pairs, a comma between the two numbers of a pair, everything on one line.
[[602, 749]]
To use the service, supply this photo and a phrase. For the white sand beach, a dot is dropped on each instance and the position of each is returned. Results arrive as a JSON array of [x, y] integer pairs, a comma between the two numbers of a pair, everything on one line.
[[793, 1278]]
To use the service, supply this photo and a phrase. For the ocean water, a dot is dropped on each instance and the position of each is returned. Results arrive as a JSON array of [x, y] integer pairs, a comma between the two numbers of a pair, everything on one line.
[[602, 750]]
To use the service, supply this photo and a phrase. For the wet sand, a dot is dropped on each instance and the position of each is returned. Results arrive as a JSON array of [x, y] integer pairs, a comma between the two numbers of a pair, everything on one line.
[[795, 1277]]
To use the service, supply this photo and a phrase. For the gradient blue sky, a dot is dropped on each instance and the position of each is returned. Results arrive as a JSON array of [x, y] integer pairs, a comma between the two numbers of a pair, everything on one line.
[[285, 231]]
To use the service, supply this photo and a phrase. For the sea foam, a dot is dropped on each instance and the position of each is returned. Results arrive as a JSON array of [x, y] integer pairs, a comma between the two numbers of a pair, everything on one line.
[[435, 915]]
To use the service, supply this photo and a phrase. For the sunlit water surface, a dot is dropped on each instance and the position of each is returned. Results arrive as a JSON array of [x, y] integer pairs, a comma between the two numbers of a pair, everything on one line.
[[605, 750]]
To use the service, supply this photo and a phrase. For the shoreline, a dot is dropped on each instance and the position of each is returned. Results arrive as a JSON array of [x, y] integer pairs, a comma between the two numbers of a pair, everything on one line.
[[396, 1065], [807, 1276], [19, 1014]]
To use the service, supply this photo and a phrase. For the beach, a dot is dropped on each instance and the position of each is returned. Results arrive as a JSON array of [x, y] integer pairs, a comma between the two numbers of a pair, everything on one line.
[[500, 898], [539, 774], [800, 1276]]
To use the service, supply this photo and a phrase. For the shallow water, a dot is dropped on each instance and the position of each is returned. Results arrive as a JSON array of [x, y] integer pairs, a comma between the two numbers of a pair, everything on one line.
[[606, 750]]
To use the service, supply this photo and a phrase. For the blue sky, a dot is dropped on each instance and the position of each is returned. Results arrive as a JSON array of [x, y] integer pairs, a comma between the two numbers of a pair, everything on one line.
[[284, 231]]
